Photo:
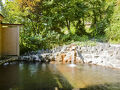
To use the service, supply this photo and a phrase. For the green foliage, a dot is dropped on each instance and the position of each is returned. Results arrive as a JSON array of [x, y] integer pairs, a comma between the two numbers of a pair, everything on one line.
[[113, 31], [52, 39], [59, 14], [102, 13], [11, 12], [87, 43], [32, 43]]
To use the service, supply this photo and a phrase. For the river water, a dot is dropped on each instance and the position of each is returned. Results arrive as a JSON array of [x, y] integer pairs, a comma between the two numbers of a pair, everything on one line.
[[36, 76]]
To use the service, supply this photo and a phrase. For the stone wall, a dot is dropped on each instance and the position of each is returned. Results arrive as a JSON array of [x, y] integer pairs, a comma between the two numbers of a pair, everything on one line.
[[101, 54]]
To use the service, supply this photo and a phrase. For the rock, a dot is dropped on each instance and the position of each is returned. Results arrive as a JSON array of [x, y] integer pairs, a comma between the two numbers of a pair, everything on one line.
[[111, 53], [68, 56], [88, 56], [58, 58], [45, 57], [63, 49], [35, 58], [83, 48], [90, 62], [25, 58], [116, 65], [79, 60], [39, 52], [52, 58], [96, 56], [118, 57], [42, 51]]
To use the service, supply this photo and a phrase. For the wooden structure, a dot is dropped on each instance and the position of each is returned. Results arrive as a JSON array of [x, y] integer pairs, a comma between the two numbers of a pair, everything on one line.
[[9, 38]]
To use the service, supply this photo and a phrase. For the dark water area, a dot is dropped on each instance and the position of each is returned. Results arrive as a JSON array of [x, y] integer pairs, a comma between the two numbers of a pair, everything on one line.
[[37, 76]]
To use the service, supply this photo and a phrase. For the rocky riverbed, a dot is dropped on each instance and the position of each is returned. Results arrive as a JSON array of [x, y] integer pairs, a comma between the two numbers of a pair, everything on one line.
[[102, 54]]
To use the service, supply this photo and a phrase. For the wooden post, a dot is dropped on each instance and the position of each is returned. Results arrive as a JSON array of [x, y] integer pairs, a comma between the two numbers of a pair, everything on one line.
[[1, 18], [75, 54], [63, 56]]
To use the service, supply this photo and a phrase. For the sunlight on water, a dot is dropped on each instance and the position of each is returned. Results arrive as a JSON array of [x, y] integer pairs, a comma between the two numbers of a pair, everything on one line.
[[72, 65], [34, 76], [83, 76]]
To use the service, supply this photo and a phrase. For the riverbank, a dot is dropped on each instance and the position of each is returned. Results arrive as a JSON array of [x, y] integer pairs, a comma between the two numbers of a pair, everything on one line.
[[103, 54]]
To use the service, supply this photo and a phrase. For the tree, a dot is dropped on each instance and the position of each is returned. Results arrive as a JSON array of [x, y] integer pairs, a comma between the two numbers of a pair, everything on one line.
[[100, 12], [58, 14]]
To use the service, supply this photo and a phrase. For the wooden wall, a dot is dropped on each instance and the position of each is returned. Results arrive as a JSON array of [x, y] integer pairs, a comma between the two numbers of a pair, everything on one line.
[[0, 40], [10, 40]]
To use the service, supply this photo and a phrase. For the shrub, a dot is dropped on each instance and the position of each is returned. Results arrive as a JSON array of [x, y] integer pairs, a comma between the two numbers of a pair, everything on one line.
[[113, 31]]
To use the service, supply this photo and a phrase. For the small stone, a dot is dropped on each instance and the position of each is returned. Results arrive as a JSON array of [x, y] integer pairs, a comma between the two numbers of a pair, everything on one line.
[[39, 52]]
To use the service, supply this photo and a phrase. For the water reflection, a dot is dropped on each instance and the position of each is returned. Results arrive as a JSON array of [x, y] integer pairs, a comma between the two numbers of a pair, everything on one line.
[[43, 67], [30, 76], [83, 76]]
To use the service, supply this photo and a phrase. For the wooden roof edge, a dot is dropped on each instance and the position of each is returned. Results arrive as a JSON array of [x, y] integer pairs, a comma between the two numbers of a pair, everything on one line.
[[2, 15]]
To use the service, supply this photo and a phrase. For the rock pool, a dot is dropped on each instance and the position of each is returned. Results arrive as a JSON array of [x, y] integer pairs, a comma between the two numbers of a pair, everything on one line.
[[35, 76]]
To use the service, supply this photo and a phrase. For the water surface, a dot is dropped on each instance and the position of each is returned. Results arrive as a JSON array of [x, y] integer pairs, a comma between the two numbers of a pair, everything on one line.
[[30, 76]]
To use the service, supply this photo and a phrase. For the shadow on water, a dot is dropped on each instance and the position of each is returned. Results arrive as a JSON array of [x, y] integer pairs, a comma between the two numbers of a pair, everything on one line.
[[31, 76], [112, 86]]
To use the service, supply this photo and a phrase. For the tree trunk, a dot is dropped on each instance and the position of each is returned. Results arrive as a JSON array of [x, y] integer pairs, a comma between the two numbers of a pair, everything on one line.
[[95, 18], [68, 24]]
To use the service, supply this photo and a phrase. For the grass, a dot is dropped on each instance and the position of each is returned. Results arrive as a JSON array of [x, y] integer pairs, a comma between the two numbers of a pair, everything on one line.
[[83, 43]]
